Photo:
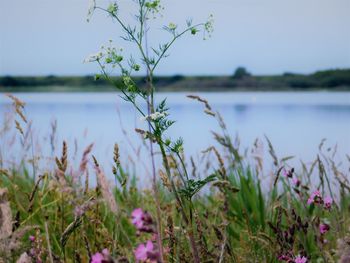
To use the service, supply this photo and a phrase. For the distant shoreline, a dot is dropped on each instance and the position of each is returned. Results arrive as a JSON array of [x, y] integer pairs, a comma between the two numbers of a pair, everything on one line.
[[329, 80]]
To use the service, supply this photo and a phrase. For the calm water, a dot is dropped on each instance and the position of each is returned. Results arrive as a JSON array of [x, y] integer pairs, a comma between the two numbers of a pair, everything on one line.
[[294, 122]]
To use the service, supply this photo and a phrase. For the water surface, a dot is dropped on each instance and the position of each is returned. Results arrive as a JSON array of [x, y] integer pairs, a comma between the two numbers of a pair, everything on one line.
[[294, 122]]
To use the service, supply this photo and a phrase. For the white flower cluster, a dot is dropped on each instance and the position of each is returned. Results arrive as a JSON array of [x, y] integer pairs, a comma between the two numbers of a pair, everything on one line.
[[111, 54], [93, 57], [154, 116]]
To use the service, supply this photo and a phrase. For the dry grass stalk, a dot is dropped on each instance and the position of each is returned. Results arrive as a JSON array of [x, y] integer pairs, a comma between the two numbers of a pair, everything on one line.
[[32, 194], [104, 185], [172, 162], [211, 113], [19, 127], [221, 162], [5, 215], [84, 159], [16, 101], [146, 134], [70, 229], [53, 135], [21, 115], [278, 174], [19, 106], [165, 180], [208, 109], [222, 169], [62, 162], [257, 153], [272, 151], [204, 101], [116, 155]]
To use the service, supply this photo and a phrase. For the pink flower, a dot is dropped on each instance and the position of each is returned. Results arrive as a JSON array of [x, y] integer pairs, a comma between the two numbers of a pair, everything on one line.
[[300, 259], [288, 173], [32, 238], [296, 181], [328, 201], [324, 228], [97, 258], [284, 258], [142, 251], [314, 198], [137, 217], [105, 252]]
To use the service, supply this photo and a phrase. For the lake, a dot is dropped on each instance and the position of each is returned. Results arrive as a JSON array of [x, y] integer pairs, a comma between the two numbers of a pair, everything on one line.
[[295, 122]]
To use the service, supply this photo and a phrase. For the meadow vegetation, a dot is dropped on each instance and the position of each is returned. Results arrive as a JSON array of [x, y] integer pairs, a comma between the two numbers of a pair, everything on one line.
[[244, 209]]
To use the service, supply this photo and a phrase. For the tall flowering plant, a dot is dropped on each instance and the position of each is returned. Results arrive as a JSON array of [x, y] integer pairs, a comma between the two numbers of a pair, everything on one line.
[[111, 60]]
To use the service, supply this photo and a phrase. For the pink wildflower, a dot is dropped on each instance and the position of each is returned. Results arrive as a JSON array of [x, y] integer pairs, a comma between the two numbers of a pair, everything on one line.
[[137, 217], [105, 252], [284, 258], [314, 198], [324, 228], [97, 258], [32, 238], [328, 201], [300, 259], [296, 181], [142, 251]]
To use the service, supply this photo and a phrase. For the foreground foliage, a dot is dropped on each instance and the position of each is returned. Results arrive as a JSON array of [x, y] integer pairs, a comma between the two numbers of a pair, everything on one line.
[[247, 214]]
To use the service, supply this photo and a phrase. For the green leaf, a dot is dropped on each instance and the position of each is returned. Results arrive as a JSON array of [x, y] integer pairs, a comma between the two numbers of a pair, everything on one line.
[[194, 186]]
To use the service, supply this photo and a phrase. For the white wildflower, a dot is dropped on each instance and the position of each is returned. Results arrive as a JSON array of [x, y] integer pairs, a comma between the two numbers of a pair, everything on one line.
[[154, 116], [172, 26], [93, 57]]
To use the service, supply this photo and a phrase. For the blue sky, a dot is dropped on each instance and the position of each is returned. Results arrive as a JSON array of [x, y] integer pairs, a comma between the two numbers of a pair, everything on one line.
[[41, 37]]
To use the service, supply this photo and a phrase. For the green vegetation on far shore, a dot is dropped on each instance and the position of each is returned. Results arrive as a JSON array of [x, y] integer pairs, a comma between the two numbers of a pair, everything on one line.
[[241, 80]]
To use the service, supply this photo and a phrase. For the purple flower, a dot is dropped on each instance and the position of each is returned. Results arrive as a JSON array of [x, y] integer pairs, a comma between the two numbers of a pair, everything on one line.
[[101, 257], [137, 218], [105, 252], [314, 198], [142, 221], [283, 258], [300, 259], [97, 258], [327, 202], [143, 252], [296, 181], [324, 228], [32, 238]]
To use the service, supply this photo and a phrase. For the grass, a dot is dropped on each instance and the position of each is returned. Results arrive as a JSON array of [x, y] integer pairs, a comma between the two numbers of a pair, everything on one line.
[[239, 213]]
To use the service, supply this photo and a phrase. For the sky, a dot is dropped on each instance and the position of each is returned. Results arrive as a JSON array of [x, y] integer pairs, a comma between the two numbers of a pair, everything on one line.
[[50, 37]]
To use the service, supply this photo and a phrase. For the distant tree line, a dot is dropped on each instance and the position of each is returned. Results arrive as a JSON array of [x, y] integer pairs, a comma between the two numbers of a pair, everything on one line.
[[241, 79]]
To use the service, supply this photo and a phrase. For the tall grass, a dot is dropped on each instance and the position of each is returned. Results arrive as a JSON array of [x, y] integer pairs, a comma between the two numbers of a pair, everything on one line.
[[241, 216]]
